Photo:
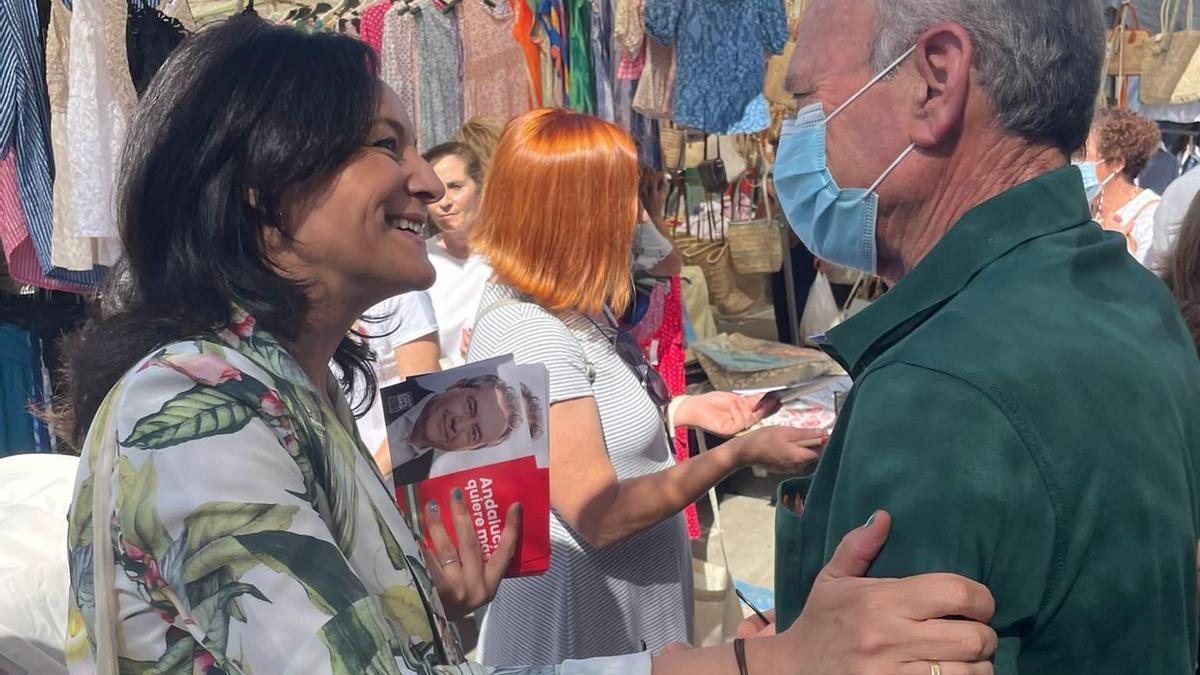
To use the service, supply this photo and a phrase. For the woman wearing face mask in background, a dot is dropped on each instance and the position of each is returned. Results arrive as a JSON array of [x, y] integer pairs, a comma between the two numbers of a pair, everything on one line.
[[1119, 146]]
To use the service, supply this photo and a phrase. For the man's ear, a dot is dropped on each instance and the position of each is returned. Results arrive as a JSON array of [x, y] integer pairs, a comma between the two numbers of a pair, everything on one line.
[[939, 96]]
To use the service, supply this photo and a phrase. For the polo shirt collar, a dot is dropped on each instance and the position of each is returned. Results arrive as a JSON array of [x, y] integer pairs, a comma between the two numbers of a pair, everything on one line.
[[1045, 205]]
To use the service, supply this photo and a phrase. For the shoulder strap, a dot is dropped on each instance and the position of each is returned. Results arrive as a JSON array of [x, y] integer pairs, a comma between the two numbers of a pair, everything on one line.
[[499, 304], [513, 302]]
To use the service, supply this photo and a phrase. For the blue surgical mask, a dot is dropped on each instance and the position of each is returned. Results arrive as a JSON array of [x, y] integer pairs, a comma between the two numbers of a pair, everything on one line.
[[836, 224], [1091, 183]]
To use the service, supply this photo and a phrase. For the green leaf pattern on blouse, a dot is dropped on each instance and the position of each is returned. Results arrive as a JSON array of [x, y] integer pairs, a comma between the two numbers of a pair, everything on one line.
[[290, 579]]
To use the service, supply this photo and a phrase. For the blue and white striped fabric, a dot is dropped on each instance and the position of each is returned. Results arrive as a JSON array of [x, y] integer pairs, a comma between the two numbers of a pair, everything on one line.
[[24, 125]]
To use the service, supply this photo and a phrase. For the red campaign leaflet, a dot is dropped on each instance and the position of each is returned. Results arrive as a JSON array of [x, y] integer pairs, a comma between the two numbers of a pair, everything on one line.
[[482, 429]]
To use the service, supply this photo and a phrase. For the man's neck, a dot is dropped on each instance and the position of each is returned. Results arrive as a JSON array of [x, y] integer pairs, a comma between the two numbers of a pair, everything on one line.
[[969, 179]]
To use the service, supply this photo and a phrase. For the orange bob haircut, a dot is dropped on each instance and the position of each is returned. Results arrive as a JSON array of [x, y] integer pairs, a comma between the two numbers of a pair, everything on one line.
[[559, 211]]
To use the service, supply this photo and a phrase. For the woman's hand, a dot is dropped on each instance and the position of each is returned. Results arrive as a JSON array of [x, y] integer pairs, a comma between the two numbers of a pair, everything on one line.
[[464, 580], [652, 192], [856, 625], [783, 450], [720, 412]]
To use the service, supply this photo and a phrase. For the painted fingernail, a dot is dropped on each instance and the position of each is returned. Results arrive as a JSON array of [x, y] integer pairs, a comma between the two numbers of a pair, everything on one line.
[[458, 495], [518, 509], [433, 506], [871, 520]]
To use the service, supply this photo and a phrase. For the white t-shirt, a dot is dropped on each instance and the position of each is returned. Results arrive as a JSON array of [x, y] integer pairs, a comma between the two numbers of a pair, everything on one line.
[[1168, 218], [401, 320], [455, 295], [1140, 211]]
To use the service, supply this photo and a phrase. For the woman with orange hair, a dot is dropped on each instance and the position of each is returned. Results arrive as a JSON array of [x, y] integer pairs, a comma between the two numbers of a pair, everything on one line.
[[556, 223]]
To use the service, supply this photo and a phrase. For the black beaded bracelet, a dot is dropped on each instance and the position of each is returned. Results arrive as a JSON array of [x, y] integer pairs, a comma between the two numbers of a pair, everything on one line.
[[739, 652]]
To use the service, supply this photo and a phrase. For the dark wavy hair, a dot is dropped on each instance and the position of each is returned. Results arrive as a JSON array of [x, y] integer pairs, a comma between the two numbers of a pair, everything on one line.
[[241, 118], [1182, 273]]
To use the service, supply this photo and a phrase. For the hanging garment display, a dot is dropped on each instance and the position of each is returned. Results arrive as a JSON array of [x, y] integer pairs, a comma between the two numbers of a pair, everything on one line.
[[719, 51], [440, 97], [68, 250], [493, 64], [657, 84], [370, 27], [523, 28], [602, 65], [24, 118], [629, 39], [150, 37], [102, 99], [549, 35], [16, 390], [399, 61], [15, 236], [580, 92]]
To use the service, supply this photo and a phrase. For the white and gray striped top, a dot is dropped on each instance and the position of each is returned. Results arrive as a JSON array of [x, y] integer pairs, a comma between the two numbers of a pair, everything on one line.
[[592, 602]]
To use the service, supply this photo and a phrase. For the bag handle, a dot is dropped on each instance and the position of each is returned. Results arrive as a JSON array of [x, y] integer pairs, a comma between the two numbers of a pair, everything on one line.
[[719, 532]]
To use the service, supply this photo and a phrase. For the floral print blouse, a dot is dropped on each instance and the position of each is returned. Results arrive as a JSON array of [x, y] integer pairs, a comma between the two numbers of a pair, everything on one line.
[[252, 532], [720, 47]]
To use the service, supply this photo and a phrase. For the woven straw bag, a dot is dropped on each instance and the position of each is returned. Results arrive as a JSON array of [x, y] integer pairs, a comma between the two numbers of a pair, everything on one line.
[[1171, 72], [712, 257], [673, 142], [756, 246], [1128, 45]]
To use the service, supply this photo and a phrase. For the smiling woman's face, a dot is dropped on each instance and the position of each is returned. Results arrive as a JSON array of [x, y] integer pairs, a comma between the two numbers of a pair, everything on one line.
[[357, 238]]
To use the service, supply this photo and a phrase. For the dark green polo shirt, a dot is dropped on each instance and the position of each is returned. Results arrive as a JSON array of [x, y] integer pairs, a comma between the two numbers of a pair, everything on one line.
[[1027, 407]]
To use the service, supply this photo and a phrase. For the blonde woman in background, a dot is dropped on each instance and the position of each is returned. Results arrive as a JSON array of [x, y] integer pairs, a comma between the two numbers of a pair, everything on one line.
[[481, 134]]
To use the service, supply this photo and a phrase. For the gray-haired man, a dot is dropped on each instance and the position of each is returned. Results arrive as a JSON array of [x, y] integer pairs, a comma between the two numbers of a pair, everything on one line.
[[1027, 399]]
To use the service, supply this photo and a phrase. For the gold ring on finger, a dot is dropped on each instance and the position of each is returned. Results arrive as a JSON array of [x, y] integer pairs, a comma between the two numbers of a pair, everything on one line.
[[456, 561], [935, 668]]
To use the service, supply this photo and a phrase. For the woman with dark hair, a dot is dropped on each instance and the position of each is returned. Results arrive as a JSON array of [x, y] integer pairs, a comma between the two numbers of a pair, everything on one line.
[[226, 517], [1182, 274]]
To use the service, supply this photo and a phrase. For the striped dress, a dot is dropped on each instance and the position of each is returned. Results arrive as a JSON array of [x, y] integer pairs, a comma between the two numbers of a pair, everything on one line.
[[591, 602]]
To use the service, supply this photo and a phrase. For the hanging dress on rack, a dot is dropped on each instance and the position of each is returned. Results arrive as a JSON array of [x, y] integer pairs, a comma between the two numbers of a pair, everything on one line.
[[398, 63], [67, 249], [440, 97], [370, 29], [580, 91], [602, 62], [494, 78]]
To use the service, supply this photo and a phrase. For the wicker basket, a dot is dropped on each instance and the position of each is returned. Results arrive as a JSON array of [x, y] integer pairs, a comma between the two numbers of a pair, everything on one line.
[[756, 247], [713, 258], [673, 142]]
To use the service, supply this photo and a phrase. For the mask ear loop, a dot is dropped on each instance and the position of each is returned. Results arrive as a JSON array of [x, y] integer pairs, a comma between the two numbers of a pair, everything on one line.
[[888, 171], [874, 80]]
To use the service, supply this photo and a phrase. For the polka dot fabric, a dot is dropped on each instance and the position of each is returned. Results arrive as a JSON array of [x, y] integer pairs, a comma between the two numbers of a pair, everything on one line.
[[671, 366], [370, 30]]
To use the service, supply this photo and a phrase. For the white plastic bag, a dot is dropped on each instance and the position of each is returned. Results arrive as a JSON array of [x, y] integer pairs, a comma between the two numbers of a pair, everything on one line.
[[820, 311]]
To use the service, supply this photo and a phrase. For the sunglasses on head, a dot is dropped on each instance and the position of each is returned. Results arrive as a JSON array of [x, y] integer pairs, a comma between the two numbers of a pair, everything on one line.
[[630, 352]]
